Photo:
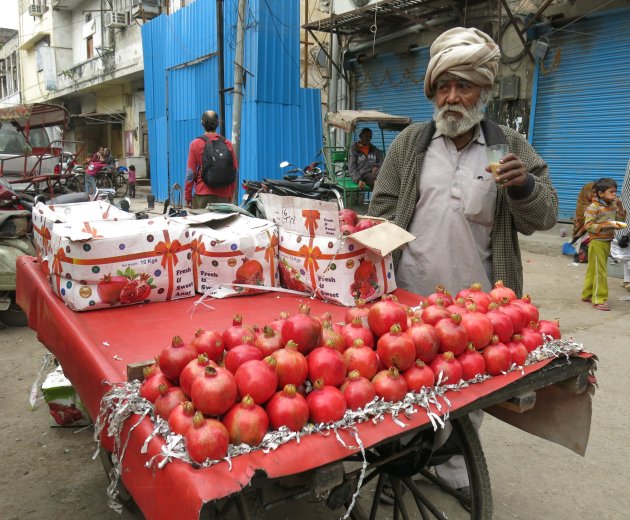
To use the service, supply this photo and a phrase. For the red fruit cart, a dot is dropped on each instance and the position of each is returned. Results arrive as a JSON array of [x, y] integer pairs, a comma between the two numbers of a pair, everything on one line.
[[97, 349]]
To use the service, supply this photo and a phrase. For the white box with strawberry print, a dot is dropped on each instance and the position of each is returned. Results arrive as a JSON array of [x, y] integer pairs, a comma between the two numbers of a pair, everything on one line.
[[314, 256], [230, 251], [45, 216], [102, 264]]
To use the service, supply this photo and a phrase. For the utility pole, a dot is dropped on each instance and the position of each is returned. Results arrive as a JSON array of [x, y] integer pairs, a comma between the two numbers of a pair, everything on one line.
[[221, 49], [238, 80]]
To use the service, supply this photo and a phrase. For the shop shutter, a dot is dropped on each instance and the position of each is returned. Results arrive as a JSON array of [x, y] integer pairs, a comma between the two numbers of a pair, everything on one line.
[[581, 114], [394, 84]]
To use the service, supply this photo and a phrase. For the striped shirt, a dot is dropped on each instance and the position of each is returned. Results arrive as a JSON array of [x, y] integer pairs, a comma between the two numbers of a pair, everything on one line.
[[597, 218]]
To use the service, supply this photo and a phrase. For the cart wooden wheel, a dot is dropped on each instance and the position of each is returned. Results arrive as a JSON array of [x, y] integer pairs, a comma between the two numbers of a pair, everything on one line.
[[416, 491]]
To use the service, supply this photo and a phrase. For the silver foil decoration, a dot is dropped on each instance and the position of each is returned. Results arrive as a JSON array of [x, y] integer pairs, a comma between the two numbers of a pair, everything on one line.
[[124, 400]]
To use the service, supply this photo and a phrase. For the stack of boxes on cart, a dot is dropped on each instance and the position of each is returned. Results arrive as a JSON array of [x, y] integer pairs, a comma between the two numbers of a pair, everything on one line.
[[97, 256]]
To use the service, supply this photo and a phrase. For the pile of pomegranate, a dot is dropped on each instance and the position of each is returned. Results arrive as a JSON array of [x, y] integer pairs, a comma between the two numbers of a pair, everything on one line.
[[233, 386], [350, 222]]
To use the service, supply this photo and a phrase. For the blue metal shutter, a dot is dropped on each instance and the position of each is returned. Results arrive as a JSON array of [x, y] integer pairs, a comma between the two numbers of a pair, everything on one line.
[[394, 84], [582, 110]]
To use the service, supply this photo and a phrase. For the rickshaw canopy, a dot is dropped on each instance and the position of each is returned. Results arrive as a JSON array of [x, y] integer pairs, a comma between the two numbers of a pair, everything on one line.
[[36, 115], [347, 120]]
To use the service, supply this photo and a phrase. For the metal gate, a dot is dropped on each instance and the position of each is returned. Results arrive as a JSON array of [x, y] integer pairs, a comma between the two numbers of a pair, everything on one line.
[[581, 110]]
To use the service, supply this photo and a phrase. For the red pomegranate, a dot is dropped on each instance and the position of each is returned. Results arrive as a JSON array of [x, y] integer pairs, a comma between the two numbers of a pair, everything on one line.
[[303, 330], [481, 299], [432, 313], [168, 399], [440, 294], [452, 336], [395, 349], [153, 378], [278, 323], [246, 422], [181, 418], [332, 337], [390, 385], [515, 313], [258, 379], [530, 310], [497, 357], [518, 350], [357, 330], [358, 311], [206, 439], [478, 326], [531, 336], [447, 367], [291, 365], [348, 216], [458, 307], [234, 334], [268, 340], [326, 363], [500, 292], [472, 363], [384, 314], [362, 359], [550, 328], [239, 354], [194, 369], [357, 390], [419, 376], [209, 342], [174, 358], [424, 338], [215, 393], [287, 408], [326, 403], [501, 323]]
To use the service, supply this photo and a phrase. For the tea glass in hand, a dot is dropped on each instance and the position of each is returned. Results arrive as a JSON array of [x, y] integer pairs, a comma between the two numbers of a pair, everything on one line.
[[495, 153]]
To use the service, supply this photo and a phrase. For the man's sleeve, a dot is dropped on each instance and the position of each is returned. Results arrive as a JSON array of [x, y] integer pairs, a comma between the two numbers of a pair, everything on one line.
[[352, 161], [191, 168]]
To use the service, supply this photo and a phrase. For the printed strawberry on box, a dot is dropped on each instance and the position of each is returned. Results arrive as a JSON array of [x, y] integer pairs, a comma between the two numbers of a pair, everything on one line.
[[232, 250], [45, 216], [315, 257], [102, 264], [64, 404]]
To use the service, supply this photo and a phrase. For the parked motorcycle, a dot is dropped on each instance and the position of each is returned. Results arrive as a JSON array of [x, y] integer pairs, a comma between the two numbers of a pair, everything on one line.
[[309, 183]]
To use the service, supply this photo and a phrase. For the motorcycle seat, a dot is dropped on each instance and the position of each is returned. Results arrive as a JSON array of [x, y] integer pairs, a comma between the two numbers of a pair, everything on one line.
[[303, 187]]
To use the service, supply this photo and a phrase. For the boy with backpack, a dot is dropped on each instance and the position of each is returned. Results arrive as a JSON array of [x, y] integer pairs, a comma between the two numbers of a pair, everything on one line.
[[211, 168]]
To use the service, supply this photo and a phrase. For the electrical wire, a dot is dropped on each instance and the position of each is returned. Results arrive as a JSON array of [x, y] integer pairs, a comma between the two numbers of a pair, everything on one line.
[[297, 65]]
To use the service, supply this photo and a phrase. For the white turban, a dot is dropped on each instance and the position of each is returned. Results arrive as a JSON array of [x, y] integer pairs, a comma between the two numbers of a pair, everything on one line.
[[469, 54]]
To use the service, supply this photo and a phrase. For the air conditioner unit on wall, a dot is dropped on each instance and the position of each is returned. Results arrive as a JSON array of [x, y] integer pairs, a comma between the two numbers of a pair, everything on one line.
[[36, 10], [114, 19], [145, 10], [344, 6]]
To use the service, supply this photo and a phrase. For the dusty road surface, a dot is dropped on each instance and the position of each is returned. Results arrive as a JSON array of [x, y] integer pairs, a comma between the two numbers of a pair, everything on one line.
[[49, 472]]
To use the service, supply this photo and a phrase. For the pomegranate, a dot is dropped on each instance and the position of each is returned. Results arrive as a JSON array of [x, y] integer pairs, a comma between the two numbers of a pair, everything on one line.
[[424, 339], [326, 363], [357, 390], [515, 313], [208, 342], [447, 367], [326, 403], [501, 323], [384, 314], [396, 349], [530, 310], [348, 216], [478, 326], [418, 376], [150, 387], [258, 379], [518, 350], [332, 337], [234, 334], [432, 313], [358, 311], [291, 365], [440, 294], [239, 354], [363, 224], [550, 328], [246, 422], [472, 362], [303, 330], [458, 307], [206, 439], [194, 369], [168, 399], [278, 323], [357, 330], [481, 299], [347, 229], [173, 359], [390, 385], [532, 338], [109, 288], [361, 359], [452, 335], [497, 357], [287, 408], [181, 418], [500, 291], [268, 340], [215, 393]]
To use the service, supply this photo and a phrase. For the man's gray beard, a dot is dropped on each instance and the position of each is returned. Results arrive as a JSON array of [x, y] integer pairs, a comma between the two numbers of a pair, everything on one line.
[[454, 127]]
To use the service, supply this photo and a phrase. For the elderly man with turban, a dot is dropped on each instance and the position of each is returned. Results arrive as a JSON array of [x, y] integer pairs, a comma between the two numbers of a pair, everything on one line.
[[436, 182]]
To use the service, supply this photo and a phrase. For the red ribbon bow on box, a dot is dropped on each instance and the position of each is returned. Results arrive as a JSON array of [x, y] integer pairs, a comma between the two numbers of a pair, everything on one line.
[[169, 251], [311, 216]]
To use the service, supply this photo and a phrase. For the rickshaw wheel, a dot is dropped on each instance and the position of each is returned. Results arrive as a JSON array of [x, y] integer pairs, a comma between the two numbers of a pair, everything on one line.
[[103, 181], [120, 185], [426, 499]]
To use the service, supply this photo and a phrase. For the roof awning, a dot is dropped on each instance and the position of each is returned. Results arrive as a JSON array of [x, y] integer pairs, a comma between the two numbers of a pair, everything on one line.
[[101, 117], [347, 120], [35, 115], [29, 43]]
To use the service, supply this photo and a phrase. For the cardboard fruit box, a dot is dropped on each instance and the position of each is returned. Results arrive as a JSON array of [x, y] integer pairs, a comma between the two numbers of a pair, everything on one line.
[[315, 257], [64, 404], [104, 264], [45, 216], [230, 251]]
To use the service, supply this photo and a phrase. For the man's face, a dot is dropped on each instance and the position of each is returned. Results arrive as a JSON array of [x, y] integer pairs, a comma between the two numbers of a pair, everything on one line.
[[365, 137], [458, 106]]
